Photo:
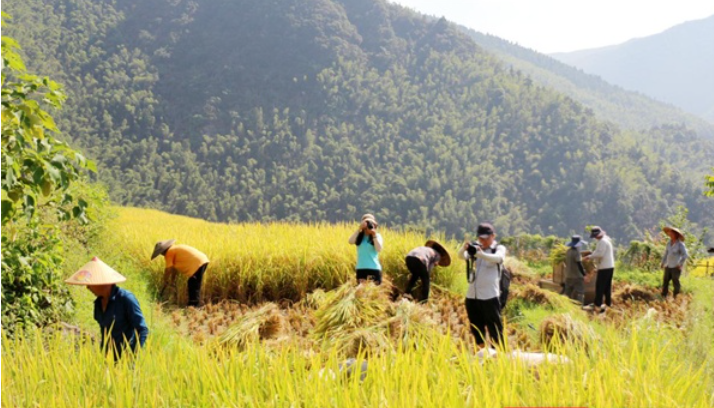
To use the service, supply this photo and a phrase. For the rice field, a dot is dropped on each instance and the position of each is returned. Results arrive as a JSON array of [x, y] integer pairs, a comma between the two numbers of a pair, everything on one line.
[[271, 261], [290, 344]]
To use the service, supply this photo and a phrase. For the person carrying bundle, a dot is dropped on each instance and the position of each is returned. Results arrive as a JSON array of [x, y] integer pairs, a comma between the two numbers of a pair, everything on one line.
[[420, 262], [116, 310], [185, 260], [574, 270]]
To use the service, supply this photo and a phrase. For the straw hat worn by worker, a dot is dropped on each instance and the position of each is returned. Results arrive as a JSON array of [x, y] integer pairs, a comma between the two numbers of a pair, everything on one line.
[[421, 260], [115, 309], [673, 259], [185, 260]]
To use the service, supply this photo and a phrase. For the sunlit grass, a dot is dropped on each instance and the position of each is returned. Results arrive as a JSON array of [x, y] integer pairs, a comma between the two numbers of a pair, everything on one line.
[[633, 370]]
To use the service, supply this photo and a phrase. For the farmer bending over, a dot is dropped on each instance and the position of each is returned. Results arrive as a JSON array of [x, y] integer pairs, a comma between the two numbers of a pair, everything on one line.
[[185, 260]]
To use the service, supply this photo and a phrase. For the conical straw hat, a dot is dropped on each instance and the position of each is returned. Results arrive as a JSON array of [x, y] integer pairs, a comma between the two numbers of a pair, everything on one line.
[[95, 272], [676, 231], [161, 247], [445, 257]]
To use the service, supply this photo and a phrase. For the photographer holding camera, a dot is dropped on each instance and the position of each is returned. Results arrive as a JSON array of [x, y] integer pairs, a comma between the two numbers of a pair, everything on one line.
[[368, 249], [483, 306]]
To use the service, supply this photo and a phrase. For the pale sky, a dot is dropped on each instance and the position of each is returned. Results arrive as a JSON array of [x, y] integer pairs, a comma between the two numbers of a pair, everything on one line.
[[566, 25]]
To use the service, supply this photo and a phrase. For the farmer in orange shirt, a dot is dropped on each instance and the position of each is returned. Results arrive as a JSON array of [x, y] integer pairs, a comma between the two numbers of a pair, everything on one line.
[[185, 260]]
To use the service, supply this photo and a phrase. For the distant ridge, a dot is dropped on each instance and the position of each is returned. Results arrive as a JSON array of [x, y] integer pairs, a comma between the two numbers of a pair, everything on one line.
[[675, 66], [628, 109]]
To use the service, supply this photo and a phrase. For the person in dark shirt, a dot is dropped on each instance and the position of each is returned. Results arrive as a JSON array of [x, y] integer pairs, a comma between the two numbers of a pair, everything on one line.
[[420, 261], [116, 310], [574, 270]]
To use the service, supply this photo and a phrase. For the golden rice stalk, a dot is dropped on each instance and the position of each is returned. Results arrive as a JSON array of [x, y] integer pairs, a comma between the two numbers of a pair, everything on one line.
[[562, 328], [351, 307], [538, 296], [519, 270], [368, 340], [411, 320], [315, 299], [265, 322]]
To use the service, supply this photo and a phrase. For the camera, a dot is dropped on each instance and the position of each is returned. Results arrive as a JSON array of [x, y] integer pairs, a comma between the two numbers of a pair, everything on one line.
[[370, 225], [472, 248]]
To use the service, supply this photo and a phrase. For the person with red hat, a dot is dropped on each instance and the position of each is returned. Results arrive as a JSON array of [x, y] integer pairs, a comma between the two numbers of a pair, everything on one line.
[[116, 310]]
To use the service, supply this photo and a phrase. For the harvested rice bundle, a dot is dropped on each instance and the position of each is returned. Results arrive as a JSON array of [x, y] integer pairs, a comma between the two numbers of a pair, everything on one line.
[[520, 272], [533, 294], [635, 293], [411, 320], [265, 322], [351, 307], [370, 340], [354, 317], [562, 328], [315, 299]]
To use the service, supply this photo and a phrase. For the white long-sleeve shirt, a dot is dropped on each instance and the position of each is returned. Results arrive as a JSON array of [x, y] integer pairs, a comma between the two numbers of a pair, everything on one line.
[[604, 255], [485, 275]]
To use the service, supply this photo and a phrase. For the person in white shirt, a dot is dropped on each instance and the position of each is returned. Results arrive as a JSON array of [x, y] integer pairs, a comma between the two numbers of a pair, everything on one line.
[[482, 299], [675, 255], [604, 256]]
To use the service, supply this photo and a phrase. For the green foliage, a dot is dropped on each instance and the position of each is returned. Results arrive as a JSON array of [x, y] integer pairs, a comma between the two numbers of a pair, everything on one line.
[[32, 289], [533, 247], [36, 168], [710, 185], [37, 171], [324, 109], [647, 254]]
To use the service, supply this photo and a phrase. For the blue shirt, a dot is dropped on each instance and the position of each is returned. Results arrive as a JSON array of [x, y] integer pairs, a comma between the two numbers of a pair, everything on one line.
[[367, 255], [123, 317], [674, 255]]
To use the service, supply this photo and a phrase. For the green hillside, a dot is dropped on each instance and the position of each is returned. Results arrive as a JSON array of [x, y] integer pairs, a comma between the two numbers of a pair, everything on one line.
[[322, 110], [627, 109]]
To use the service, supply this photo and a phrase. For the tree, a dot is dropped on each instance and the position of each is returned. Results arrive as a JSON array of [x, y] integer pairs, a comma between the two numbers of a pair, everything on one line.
[[37, 170], [710, 185]]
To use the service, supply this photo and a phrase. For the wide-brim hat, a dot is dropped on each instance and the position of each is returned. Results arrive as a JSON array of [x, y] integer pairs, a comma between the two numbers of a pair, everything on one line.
[[95, 272], [161, 247], [370, 217], [445, 259], [576, 241], [676, 231]]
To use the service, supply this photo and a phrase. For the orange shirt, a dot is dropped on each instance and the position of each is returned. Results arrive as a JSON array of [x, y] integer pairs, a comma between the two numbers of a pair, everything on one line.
[[185, 259]]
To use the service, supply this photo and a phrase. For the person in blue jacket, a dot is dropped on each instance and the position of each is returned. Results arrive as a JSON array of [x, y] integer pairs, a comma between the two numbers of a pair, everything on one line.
[[369, 244], [116, 310]]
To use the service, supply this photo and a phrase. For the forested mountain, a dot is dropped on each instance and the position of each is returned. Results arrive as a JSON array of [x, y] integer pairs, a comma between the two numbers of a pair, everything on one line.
[[628, 109], [674, 66], [325, 109]]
